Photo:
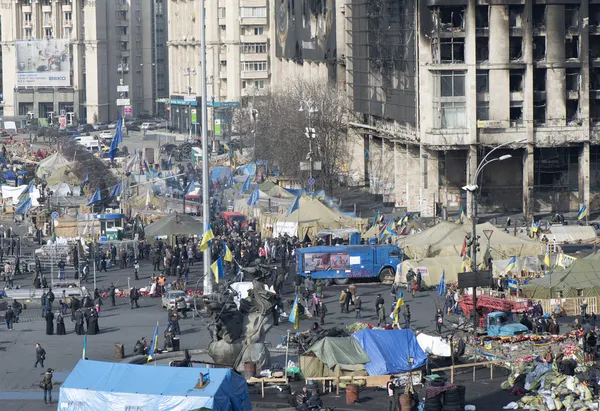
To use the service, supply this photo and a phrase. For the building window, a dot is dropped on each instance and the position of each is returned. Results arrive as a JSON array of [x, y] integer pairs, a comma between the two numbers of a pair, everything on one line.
[[255, 12], [28, 34], [222, 12], [48, 33], [450, 100], [28, 17], [123, 31], [516, 80], [572, 47], [483, 110], [254, 66], [260, 84], [67, 31], [256, 31], [452, 50], [515, 14], [516, 113], [572, 77], [123, 45], [68, 16], [483, 81], [539, 48], [251, 48]]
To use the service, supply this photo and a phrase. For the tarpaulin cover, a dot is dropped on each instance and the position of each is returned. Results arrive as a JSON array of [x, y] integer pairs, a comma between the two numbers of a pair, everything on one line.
[[220, 173], [174, 224], [95, 385], [390, 351], [435, 345], [12, 194]]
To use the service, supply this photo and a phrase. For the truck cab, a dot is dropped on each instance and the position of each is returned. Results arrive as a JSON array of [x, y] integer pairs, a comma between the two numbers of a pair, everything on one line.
[[500, 324]]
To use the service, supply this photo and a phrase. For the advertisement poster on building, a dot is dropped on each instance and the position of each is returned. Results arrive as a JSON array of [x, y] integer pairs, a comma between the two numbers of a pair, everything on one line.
[[43, 63], [62, 122]]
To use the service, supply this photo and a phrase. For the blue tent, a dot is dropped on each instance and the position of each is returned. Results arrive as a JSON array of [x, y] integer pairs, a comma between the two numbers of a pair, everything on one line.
[[390, 351], [220, 173], [94, 385]]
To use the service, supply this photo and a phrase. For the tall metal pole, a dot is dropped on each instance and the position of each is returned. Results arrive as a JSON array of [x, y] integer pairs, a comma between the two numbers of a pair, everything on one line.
[[474, 255], [204, 116]]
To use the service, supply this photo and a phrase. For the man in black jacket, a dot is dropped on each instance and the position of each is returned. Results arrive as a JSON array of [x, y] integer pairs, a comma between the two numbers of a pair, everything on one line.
[[40, 355]]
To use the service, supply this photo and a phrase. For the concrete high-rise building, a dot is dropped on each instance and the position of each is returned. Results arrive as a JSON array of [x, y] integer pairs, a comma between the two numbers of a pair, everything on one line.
[[440, 84], [79, 56], [237, 58]]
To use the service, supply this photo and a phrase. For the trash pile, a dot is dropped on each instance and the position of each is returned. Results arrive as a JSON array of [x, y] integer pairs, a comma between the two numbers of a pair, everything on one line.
[[546, 385]]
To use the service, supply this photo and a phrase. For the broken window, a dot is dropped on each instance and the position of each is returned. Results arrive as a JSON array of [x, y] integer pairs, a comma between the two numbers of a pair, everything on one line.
[[516, 113], [482, 50], [450, 100], [594, 49], [449, 18], [572, 79], [539, 79], [595, 111], [572, 110], [571, 47], [516, 80], [452, 50], [483, 81], [515, 16], [516, 48], [539, 16], [594, 12], [539, 112], [483, 110], [595, 79], [539, 48], [571, 16], [482, 17]]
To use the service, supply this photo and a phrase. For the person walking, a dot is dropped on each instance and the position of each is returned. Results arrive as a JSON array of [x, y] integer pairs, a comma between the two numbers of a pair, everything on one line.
[[321, 311], [381, 314], [17, 308], [111, 293], [133, 297], [40, 355], [406, 315], [439, 320], [46, 385], [49, 323], [379, 301], [9, 318], [391, 391], [357, 306], [343, 298]]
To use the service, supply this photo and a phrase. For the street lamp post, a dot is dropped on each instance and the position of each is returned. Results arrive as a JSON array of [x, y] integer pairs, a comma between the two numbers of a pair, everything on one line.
[[473, 188], [310, 108], [189, 72]]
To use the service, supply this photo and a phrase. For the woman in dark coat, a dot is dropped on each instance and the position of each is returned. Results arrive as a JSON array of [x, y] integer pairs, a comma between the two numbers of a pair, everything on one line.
[[49, 323], [60, 325], [93, 324], [79, 323]]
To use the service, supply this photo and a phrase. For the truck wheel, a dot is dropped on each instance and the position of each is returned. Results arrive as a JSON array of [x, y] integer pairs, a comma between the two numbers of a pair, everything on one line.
[[341, 281], [386, 274]]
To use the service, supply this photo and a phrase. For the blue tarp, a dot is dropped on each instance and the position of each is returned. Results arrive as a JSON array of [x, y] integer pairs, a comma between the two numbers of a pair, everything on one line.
[[94, 385], [248, 169], [220, 173], [390, 350]]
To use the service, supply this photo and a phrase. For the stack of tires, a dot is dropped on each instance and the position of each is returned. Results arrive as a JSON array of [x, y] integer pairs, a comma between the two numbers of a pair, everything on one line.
[[435, 403], [452, 400]]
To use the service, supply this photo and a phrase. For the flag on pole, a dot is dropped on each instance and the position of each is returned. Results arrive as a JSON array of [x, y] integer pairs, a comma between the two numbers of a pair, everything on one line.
[[512, 264], [24, 206], [246, 186], [228, 256], [231, 182], [461, 216], [169, 163], [116, 190], [95, 198], [154, 345], [206, 237], [26, 191], [582, 212], [442, 285], [294, 206], [463, 250], [217, 269], [84, 353], [294, 315], [190, 187], [404, 220], [117, 139], [547, 256], [254, 197], [86, 180], [375, 219]]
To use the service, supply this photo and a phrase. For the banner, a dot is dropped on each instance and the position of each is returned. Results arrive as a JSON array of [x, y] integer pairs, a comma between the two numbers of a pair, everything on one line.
[[43, 63]]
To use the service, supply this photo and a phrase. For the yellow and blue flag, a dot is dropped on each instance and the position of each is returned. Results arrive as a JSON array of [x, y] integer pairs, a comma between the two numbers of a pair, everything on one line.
[[404, 220], [217, 269], [547, 256], [24, 206], [84, 353], [254, 197], [247, 185], [86, 180], [26, 191], [228, 256], [442, 285], [294, 315], [582, 212], [154, 345], [461, 216], [95, 198], [206, 238], [512, 264], [294, 206]]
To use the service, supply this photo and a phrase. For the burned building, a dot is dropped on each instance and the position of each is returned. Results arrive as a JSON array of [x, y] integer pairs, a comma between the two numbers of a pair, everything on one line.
[[440, 83]]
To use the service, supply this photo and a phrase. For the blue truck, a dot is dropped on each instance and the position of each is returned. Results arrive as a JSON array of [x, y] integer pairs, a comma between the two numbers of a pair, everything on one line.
[[342, 263]]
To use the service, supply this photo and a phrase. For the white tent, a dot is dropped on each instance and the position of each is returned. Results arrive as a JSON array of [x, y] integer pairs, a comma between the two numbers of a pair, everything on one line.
[[10, 195], [571, 233]]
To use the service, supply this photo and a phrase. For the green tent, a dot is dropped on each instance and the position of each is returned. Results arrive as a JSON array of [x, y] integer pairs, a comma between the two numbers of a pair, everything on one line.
[[580, 279], [334, 356]]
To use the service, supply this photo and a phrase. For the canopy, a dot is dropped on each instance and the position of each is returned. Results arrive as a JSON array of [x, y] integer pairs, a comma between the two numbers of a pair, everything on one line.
[[62, 189], [390, 351], [56, 169], [446, 239], [94, 384], [571, 233], [580, 279], [431, 269], [174, 224], [334, 356], [274, 190], [12, 194], [147, 201]]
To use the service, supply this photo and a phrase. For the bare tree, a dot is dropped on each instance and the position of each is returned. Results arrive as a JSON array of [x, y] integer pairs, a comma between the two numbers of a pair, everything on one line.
[[276, 127]]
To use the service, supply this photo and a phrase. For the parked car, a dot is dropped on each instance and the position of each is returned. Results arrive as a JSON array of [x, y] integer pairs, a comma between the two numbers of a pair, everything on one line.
[[169, 299], [106, 134], [145, 126], [86, 128], [133, 127], [100, 126]]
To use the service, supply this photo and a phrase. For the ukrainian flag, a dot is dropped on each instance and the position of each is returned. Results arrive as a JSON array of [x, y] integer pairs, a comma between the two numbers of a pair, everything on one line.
[[461, 216], [226, 147], [294, 317], [582, 212], [399, 303], [512, 264], [154, 345], [547, 256], [228, 256], [206, 238], [217, 269]]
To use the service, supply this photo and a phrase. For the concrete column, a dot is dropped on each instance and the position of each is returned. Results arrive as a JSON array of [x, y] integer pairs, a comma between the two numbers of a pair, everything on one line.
[[430, 182], [528, 58], [584, 175], [413, 178], [401, 170], [388, 170], [499, 59], [471, 76], [471, 167], [555, 55], [376, 165], [584, 55], [528, 192], [356, 158]]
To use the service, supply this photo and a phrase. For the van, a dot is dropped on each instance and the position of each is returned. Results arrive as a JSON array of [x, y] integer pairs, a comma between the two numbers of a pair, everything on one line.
[[145, 126], [90, 143]]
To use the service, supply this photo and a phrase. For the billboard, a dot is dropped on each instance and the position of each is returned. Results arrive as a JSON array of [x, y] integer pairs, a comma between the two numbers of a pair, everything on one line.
[[326, 261], [306, 30], [43, 63]]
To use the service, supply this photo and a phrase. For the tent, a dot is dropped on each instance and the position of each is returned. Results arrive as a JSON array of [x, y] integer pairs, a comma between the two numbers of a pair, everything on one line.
[[11, 195], [580, 279], [334, 356], [309, 218], [274, 190], [446, 239], [571, 233], [56, 169], [174, 224], [62, 189], [220, 173], [431, 269], [95, 385], [391, 351]]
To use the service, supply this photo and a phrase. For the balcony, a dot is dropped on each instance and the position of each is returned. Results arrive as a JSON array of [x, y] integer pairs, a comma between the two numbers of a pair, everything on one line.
[[67, 7], [122, 23], [46, 9], [223, 74], [254, 75], [254, 57], [27, 24], [26, 9], [124, 37], [253, 39], [253, 21], [47, 24], [68, 23]]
